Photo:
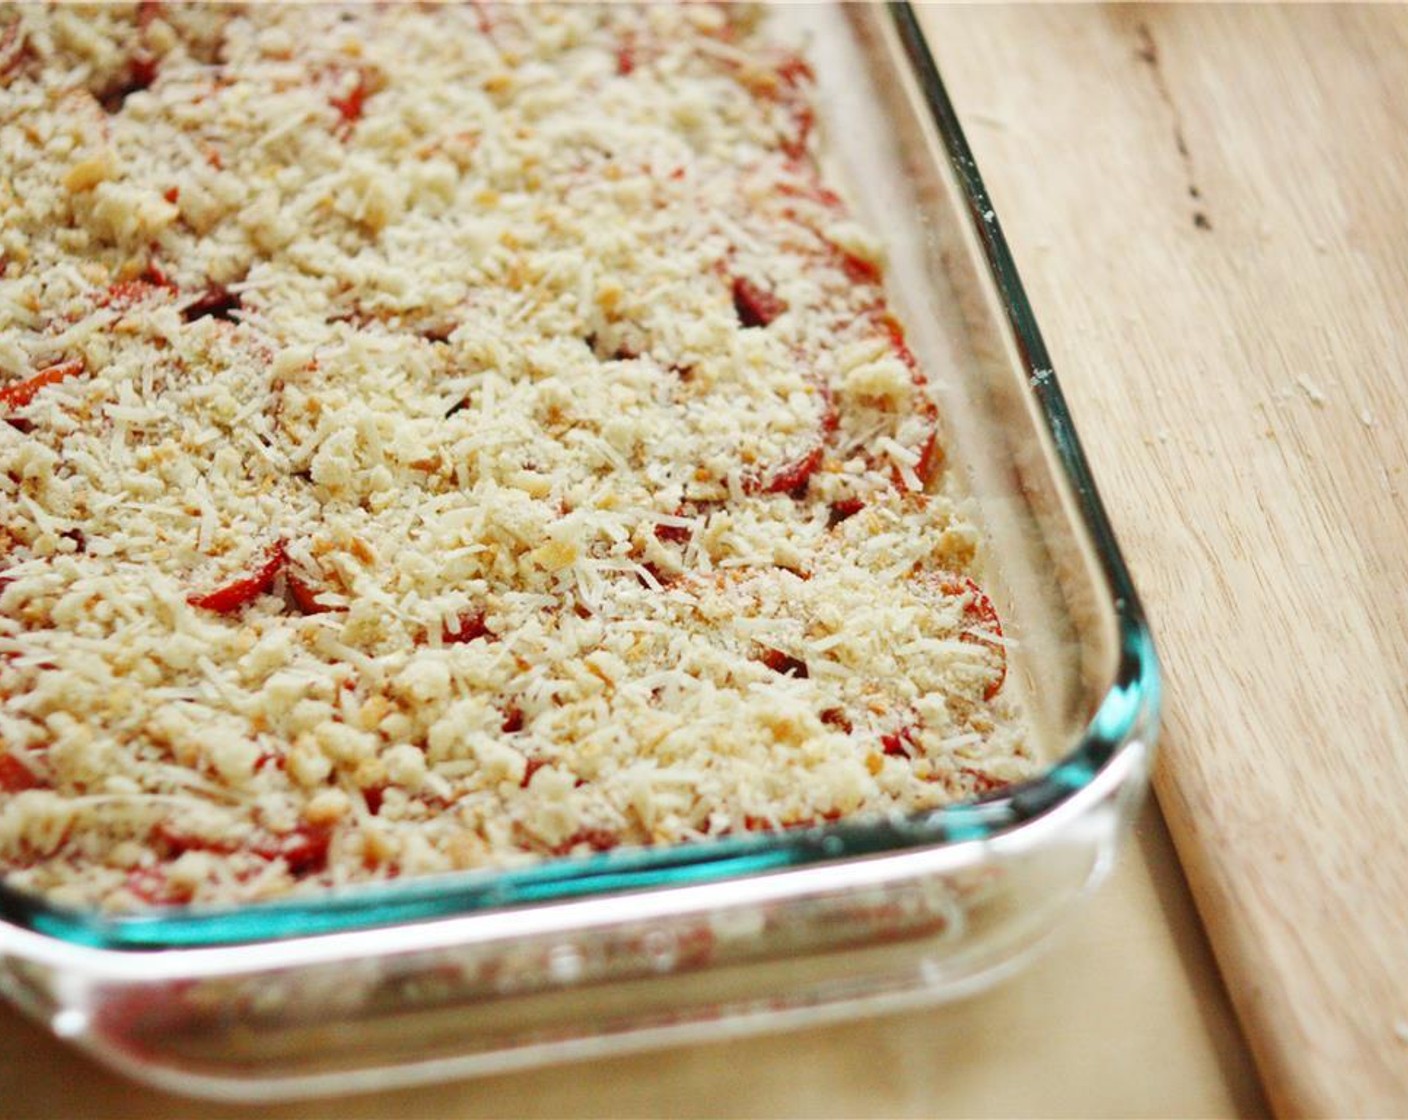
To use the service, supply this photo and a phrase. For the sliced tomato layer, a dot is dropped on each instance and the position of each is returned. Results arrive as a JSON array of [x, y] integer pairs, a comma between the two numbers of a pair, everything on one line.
[[762, 824], [18, 394], [903, 743], [810, 189], [786, 86], [626, 55], [675, 534], [534, 765], [304, 595], [349, 107], [783, 663], [141, 74], [794, 71], [465, 627], [980, 620], [12, 48], [927, 446], [236, 594], [374, 796], [513, 720], [216, 302], [304, 849], [843, 510], [788, 477], [597, 839], [983, 784], [171, 842], [155, 887], [930, 457], [857, 269], [754, 305], [15, 776], [128, 293]]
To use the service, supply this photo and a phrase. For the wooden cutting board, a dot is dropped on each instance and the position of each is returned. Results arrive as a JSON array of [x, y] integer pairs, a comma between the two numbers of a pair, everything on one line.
[[1208, 206]]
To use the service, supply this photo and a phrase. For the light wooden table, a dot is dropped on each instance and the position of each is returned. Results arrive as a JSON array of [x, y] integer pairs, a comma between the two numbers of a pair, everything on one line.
[[1206, 204]]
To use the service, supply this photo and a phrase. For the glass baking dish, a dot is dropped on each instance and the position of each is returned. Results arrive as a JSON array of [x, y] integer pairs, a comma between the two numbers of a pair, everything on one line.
[[484, 972]]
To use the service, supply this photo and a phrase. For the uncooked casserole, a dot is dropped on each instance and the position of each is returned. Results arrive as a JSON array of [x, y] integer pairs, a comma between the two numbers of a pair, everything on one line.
[[442, 438]]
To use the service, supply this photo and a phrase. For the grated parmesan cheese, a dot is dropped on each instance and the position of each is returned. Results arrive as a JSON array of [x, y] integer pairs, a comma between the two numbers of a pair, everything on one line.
[[445, 437]]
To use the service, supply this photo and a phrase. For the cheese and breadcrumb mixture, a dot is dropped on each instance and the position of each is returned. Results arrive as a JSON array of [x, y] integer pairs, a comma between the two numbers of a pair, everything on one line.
[[439, 438]]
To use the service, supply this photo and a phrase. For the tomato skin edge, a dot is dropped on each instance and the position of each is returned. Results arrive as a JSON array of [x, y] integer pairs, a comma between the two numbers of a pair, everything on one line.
[[754, 305], [18, 394], [788, 477], [981, 613], [236, 594], [15, 776]]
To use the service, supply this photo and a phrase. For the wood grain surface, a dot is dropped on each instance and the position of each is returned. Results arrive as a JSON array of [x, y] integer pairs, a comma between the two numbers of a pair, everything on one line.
[[1207, 204]]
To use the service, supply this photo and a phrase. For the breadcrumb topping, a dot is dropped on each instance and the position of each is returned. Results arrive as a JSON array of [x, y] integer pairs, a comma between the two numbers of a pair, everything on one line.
[[438, 438]]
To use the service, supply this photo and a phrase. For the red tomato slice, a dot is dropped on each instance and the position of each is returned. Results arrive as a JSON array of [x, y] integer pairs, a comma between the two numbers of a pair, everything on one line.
[[755, 306], [235, 595], [154, 887], [598, 839], [844, 509], [978, 614], [17, 394], [901, 743], [783, 663], [304, 594], [15, 776], [788, 477], [305, 849], [466, 628], [216, 302]]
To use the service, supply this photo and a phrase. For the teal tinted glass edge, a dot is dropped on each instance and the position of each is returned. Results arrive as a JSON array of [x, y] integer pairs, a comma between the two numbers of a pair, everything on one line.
[[1130, 708], [1133, 703]]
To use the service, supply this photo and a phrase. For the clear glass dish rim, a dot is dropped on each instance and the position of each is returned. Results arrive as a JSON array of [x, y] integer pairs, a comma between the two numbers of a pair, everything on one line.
[[1129, 707]]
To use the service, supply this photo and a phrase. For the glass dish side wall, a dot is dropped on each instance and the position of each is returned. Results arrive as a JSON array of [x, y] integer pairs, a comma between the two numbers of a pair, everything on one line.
[[578, 980], [922, 921]]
